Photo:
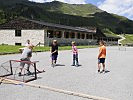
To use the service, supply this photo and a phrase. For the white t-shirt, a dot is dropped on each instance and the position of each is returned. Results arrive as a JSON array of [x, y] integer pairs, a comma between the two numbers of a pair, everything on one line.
[[26, 53], [27, 44]]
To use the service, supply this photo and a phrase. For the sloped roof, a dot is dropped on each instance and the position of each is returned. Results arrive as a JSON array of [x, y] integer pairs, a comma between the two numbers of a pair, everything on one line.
[[21, 23], [65, 27]]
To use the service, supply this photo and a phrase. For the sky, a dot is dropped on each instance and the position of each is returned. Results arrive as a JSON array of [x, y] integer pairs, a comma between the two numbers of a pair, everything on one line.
[[120, 7]]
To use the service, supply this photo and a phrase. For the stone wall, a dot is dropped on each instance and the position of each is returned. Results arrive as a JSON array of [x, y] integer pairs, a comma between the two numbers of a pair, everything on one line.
[[8, 37]]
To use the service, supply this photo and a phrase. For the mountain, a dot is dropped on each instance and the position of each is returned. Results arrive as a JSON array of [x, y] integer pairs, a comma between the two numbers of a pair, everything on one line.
[[81, 15]]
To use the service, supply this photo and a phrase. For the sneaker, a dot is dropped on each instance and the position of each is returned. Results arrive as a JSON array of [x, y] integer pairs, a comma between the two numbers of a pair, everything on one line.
[[19, 74], [72, 65], [103, 71], [77, 65], [98, 71]]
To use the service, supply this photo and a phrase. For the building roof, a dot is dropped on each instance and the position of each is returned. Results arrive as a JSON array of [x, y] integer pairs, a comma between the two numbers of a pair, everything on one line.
[[22, 23], [65, 27]]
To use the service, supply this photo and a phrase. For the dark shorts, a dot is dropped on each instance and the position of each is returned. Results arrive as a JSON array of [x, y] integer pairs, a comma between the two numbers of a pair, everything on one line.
[[22, 64], [101, 60], [54, 57]]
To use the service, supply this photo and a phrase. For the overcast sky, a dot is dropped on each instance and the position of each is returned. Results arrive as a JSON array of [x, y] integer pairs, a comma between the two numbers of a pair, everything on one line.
[[120, 7]]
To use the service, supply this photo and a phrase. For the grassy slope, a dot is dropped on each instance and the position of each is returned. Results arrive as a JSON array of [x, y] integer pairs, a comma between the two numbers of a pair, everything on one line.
[[129, 39], [72, 9], [109, 33], [15, 49], [2, 19]]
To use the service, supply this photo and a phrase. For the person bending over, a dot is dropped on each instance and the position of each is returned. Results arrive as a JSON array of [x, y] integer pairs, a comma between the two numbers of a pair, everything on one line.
[[26, 56]]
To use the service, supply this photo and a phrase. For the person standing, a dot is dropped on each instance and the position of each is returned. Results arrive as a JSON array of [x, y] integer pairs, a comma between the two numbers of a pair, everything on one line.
[[75, 54], [54, 52], [101, 56]]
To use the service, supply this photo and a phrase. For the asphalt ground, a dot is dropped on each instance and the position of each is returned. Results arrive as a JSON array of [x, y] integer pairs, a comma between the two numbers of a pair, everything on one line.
[[116, 84]]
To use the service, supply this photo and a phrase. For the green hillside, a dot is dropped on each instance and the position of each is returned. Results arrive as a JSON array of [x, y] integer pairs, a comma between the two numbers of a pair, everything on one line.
[[83, 15], [71, 9], [128, 40]]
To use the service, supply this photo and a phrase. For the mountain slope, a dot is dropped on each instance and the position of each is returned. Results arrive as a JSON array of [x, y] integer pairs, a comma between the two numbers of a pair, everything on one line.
[[71, 9], [83, 15]]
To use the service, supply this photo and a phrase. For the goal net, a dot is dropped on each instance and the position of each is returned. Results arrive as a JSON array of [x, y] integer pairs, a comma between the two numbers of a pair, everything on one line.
[[11, 70]]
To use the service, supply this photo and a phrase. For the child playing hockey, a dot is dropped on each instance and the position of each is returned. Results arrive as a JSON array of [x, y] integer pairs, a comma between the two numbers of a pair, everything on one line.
[[54, 52], [75, 54]]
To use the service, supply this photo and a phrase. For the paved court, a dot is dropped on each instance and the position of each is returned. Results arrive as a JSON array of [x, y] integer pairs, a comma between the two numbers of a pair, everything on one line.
[[116, 84]]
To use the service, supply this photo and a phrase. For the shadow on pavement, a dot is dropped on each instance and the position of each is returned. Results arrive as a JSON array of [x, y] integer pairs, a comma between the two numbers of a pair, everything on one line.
[[59, 65], [107, 71], [76, 66]]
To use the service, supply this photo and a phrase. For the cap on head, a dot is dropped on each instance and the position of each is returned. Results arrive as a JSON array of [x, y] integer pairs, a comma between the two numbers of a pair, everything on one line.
[[54, 41], [73, 42], [28, 40]]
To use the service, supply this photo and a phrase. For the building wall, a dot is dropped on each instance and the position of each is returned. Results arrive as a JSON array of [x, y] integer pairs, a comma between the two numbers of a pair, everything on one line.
[[36, 36], [8, 37]]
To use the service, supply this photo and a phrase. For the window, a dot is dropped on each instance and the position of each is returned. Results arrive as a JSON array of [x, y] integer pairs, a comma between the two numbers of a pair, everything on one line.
[[54, 34], [83, 36], [18, 33], [78, 35], [66, 34], [59, 35], [87, 36], [50, 34], [18, 44], [72, 35]]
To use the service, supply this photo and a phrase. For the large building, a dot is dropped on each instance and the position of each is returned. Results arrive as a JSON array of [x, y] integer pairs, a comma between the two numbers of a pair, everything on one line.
[[17, 31]]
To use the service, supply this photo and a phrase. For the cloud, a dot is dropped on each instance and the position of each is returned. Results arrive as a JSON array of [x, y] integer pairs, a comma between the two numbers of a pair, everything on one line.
[[41, 1], [120, 7], [66, 1]]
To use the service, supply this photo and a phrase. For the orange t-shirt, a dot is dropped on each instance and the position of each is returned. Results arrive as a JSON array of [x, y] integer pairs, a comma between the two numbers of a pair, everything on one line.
[[102, 51]]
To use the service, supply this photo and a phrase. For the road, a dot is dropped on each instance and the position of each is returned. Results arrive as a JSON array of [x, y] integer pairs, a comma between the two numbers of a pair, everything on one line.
[[117, 84]]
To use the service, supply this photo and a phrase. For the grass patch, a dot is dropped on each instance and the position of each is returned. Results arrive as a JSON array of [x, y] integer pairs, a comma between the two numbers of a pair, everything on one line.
[[109, 33], [128, 40], [15, 49], [9, 49]]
